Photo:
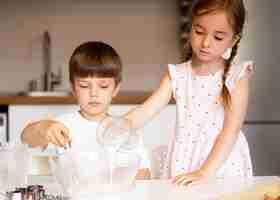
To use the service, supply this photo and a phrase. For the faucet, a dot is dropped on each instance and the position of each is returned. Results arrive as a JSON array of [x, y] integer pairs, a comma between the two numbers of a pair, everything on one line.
[[50, 79]]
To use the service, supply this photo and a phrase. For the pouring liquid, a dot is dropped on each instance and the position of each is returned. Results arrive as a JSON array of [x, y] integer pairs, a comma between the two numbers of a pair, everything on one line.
[[111, 149]]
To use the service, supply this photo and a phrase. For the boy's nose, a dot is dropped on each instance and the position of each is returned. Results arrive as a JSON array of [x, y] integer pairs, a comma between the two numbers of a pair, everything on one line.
[[93, 91]]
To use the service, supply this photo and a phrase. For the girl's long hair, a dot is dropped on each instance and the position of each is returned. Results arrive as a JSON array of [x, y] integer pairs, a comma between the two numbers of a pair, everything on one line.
[[236, 14]]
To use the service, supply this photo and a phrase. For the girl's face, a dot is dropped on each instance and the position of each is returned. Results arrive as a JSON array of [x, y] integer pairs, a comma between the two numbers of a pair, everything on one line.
[[94, 96], [211, 35]]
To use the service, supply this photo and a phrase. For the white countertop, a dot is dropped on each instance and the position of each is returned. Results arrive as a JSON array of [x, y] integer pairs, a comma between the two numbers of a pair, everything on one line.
[[164, 190]]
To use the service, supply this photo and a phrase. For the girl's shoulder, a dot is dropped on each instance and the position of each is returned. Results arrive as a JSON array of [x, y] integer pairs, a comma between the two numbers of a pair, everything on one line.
[[241, 68], [181, 66], [178, 69], [238, 71]]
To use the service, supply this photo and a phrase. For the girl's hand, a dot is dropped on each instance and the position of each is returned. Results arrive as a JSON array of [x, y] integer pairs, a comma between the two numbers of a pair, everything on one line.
[[267, 197], [189, 178]]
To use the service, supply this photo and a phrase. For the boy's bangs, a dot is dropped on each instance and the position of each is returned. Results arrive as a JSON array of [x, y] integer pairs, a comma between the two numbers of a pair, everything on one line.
[[96, 70]]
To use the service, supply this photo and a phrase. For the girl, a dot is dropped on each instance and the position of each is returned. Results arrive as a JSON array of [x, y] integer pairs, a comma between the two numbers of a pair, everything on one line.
[[211, 96]]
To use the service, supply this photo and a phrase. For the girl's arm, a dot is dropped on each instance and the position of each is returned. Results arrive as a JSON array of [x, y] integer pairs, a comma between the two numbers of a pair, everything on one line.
[[153, 105], [233, 121]]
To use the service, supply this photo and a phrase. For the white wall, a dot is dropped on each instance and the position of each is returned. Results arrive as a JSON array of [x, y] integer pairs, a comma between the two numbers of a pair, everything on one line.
[[145, 33]]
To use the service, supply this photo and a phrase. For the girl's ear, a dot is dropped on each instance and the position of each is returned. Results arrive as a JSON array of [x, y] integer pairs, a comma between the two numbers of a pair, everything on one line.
[[116, 90]]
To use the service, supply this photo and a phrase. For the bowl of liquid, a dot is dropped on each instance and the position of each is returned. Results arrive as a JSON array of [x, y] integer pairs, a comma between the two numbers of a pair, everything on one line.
[[111, 169]]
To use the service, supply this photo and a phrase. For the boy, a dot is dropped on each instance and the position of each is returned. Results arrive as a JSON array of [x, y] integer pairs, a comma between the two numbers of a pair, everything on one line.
[[95, 76]]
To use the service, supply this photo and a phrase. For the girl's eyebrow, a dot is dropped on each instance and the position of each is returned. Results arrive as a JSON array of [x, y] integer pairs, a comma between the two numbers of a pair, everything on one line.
[[217, 32], [221, 32], [198, 26]]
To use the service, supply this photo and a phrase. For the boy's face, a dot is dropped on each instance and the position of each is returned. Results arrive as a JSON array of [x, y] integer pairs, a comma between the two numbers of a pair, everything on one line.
[[94, 95]]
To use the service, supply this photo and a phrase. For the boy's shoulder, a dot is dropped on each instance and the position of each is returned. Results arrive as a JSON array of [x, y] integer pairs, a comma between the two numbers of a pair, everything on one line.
[[68, 117]]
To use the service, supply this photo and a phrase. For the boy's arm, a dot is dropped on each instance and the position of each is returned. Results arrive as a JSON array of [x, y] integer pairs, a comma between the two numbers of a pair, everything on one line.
[[32, 134], [43, 132], [153, 105]]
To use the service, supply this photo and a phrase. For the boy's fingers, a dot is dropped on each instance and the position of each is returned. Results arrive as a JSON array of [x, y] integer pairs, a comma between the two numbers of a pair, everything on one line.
[[57, 134], [54, 138], [64, 132], [51, 139], [59, 138]]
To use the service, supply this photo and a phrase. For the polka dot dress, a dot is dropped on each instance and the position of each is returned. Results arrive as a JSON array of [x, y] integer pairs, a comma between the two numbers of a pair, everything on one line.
[[200, 117]]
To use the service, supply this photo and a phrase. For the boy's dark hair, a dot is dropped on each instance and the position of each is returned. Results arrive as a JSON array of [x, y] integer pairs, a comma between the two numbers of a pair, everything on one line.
[[95, 59]]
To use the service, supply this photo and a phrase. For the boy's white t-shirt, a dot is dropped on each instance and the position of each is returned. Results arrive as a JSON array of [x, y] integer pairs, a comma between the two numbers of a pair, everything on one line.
[[83, 134]]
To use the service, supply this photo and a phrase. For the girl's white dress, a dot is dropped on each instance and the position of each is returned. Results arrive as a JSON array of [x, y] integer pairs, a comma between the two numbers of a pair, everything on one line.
[[200, 116]]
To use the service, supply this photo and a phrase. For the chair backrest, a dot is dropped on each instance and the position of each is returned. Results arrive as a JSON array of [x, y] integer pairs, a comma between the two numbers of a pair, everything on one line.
[[158, 158]]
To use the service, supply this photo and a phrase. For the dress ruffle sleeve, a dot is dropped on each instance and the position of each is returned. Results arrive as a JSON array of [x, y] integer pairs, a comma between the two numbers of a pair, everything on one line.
[[172, 74], [237, 72]]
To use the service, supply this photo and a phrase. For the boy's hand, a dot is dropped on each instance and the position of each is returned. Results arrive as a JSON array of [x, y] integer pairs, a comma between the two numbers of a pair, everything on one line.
[[54, 132]]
